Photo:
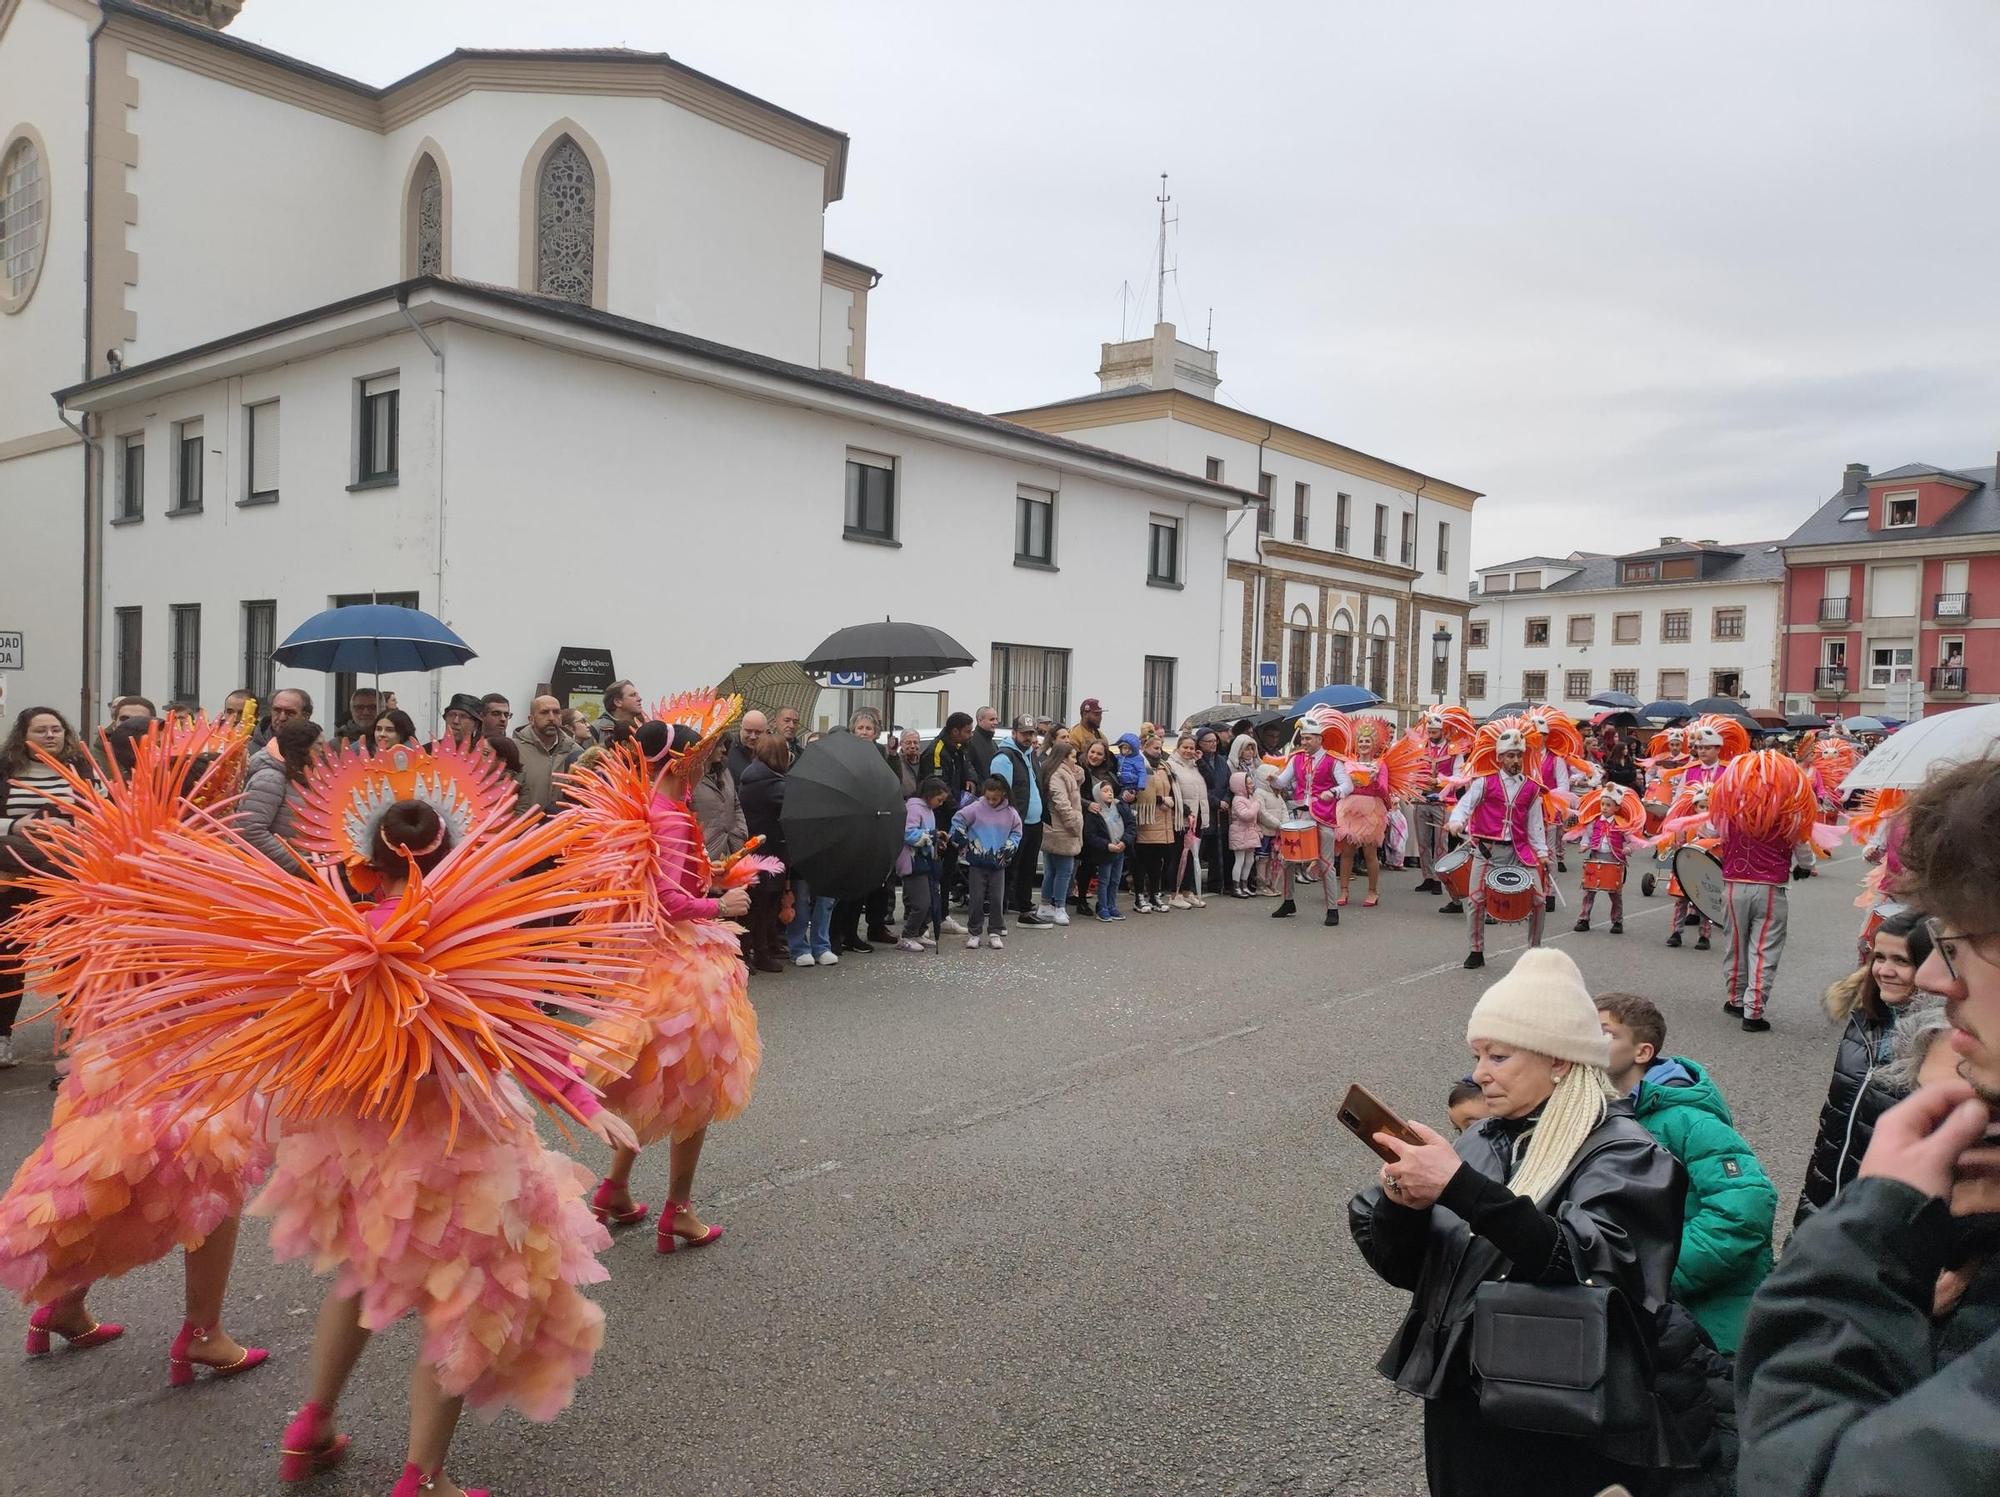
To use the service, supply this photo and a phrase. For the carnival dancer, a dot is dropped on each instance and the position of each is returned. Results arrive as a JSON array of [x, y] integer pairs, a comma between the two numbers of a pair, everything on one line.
[[1385, 772], [1608, 823], [1876, 823], [1831, 761], [1715, 741], [696, 1034], [1763, 807], [1501, 810], [1307, 783], [116, 1183], [399, 1046], [1444, 733]]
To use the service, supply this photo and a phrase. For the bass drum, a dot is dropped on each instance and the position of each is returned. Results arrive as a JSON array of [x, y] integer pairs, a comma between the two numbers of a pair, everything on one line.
[[1454, 871], [1700, 879]]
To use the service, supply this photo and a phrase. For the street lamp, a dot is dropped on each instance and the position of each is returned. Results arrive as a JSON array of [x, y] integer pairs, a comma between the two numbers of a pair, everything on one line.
[[1440, 660]]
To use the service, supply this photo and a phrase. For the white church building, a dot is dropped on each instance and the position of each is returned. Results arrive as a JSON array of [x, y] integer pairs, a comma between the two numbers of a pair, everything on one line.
[[549, 344]]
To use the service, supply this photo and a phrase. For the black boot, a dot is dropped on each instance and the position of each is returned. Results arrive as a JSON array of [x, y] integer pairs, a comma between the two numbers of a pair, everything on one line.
[[1430, 886], [1731, 1007], [1674, 939], [1618, 927], [1756, 1026], [1701, 944], [1283, 910], [1456, 907], [1474, 960], [1333, 917], [1581, 925]]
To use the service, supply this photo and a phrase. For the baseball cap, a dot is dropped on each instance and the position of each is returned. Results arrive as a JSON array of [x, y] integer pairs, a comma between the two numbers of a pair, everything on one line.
[[1091, 704]]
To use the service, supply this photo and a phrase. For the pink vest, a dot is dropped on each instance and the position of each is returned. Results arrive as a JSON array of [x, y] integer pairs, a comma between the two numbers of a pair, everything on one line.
[[1495, 819], [1703, 774]]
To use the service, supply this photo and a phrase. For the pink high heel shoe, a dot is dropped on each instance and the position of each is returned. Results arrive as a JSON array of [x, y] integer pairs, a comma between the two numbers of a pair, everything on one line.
[[671, 1236], [600, 1207], [39, 1329], [180, 1366], [414, 1482], [310, 1445]]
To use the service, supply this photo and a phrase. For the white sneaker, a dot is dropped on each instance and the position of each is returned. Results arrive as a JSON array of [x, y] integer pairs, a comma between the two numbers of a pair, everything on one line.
[[972, 943], [1061, 917], [828, 959], [995, 942], [1197, 901], [803, 959], [1049, 915], [1177, 903], [909, 943], [7, 1061], [952, 926]]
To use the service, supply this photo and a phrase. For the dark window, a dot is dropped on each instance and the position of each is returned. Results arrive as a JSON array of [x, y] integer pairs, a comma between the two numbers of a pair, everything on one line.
[[1444, 547], [1381, 532], [184, 637], [1903, 511], [1034, 526], [1475, 686], [1163, 556], [1342, 505], [1409, 552], [1378, 666], [1030, 680], [1675, 626], [1340, 660], [1475, 635], [129, 639], [1301, 510], [1641, 571], [380, 413], [1299, 654], [262, 423], [871, 496], [260, 637], [344, 682], [1576, 686], [1266, 488], [1534, 686], [132, 485], [1215, 470], [188, 467], [1159, 693], [1536, 632]]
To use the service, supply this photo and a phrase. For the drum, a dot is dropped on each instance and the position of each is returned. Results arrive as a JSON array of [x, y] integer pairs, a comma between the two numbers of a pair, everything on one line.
[[1298, 841], [1604, 874], [1873, 923], [1656, 816], [1454, 871], [1698, 873], [1511, 894]]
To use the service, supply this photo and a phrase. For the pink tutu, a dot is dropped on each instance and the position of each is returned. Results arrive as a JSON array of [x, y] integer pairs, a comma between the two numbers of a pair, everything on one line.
[[486, 1242], [1362, 819], [113, 1187], [698, 1053]]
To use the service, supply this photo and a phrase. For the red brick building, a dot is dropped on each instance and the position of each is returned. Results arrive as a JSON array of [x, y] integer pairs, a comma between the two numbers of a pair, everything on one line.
[[1895, 581]]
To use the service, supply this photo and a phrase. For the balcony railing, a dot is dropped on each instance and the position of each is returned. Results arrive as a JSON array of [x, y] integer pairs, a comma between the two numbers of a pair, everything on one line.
[[1830, 678], [1340, 537], [1953, 606], [1948, 679], [1833, 610]]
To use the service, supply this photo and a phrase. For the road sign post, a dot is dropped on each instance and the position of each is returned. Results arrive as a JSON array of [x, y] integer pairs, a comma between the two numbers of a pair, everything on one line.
[[1267, 680], [13, 652]]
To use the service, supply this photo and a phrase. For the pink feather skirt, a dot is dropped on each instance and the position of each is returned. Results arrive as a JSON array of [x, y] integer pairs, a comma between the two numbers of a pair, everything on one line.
[[1363, 820]]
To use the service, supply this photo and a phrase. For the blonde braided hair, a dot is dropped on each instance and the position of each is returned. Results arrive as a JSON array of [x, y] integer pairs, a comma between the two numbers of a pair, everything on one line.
[[1573, 1110]]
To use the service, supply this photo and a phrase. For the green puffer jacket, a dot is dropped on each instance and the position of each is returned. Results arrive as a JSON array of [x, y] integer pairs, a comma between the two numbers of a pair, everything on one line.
[[1726, 1236]]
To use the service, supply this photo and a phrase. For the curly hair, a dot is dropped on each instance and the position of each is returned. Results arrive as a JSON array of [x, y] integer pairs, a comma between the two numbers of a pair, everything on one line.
[[16, 758], [1950, 856]]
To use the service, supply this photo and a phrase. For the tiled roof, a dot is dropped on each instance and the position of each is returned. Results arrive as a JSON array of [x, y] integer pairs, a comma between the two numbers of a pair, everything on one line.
[[1752, 561], [1978, 513], [1918, 470]]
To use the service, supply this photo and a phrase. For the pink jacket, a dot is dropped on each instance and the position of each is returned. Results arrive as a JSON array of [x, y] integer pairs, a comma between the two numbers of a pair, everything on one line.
[[1245, 833]]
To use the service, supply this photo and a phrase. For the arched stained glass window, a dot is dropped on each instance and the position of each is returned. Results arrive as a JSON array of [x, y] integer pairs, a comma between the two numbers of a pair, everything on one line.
[[566, 224]]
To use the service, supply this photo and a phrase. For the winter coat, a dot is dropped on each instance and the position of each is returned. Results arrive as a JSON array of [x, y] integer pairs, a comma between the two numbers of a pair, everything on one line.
[[762, 797], [948, 762], [540, 766], [1191, 794], [718, 809], [1098, 834], [979, 751], [1697, 1389], [1062, 832], [1016, 765], [1215, 771], [1615, 1219], [1849, 1388], [264, 814], [1853, 1100], [1132, 767], [919, 852], [1246, 834], [1155, 807], [1731, 1203], [1271, 807]]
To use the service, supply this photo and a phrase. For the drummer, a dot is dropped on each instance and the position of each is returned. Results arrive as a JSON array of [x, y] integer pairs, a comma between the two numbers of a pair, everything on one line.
[[1427, 815], [1607, 846], [1706, 770], [1503, 814], [1309, 769]]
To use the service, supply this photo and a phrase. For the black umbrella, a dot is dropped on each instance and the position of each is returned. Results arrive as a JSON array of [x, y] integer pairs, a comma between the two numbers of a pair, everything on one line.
[[843, 817], [897, 654], [1668, 712], [1510, 709], [1803, 722], [1223, 718], [1620, 699], [1725, 707]]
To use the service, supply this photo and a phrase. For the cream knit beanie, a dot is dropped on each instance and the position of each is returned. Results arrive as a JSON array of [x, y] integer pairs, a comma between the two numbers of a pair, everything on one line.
[[1542, 1005]]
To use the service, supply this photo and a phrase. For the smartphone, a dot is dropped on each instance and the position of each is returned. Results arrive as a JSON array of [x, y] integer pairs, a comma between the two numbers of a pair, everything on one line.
[[1364, 1115]]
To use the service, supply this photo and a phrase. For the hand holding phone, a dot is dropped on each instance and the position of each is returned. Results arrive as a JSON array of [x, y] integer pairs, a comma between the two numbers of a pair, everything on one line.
[[1364, 1115]]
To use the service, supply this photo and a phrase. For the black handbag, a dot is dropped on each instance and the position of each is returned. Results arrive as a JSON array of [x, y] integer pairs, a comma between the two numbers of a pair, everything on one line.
[[1561, 1359]]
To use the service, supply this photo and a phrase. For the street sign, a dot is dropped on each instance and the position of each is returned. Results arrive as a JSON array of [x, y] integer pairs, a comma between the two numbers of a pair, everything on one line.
[[847, 678], [1267, 679], [13, 654], [1903, 700]]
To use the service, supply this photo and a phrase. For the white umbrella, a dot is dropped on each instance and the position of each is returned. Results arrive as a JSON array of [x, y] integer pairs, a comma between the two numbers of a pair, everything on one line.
[[1932, 744]]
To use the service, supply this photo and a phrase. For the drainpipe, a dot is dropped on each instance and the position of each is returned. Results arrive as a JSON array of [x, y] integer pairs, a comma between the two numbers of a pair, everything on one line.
[[437, 583], [93, 579], [1222, 601], [92, 535]]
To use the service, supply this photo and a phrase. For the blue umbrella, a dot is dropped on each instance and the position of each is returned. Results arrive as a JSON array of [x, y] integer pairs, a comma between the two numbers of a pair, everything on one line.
[[1668, 712], [1340, 698], [372, 639]]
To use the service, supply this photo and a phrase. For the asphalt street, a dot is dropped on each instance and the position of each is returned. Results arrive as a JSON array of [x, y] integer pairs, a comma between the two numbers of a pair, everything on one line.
[[1066, 1218]]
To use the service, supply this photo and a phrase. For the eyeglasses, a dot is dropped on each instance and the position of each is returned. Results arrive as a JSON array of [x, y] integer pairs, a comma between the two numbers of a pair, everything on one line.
[[1946, 946]]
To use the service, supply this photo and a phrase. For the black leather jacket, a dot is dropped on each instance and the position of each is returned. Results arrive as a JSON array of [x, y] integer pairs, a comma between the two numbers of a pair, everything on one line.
[[1847, 1118], [1615, 1219]]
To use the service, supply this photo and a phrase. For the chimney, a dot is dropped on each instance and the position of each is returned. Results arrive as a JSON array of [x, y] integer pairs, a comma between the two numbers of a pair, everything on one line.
[[1853, 479], [1670, 540], [215, 14]]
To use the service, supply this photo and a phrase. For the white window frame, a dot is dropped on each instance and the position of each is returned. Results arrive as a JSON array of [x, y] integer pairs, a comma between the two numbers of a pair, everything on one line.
[[1738, 612], [253, 417], [1026, 496], [1625, 679], [187, 431], [1889, 503], [1881, 674], [853, 502], [1571, 680], [131, 507], [1667, 634], [1156, 524]]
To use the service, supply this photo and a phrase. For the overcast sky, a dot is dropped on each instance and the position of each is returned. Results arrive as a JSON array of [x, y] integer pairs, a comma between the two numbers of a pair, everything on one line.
[[1627, 270]]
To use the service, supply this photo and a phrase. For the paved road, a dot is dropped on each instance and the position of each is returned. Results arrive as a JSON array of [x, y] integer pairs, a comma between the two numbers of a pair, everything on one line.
[[1066, 1218]]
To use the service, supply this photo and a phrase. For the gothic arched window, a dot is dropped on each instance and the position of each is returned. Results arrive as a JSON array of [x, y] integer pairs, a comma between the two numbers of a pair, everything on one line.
[[1299, 652], [566, 224], [427, 218]]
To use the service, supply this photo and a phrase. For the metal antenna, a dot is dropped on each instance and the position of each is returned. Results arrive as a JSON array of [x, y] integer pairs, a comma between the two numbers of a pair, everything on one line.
[[1208, 338], [1160, 303]]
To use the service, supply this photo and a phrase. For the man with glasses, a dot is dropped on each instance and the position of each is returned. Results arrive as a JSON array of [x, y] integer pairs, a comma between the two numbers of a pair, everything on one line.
[[1871, 1357], [495, 712]]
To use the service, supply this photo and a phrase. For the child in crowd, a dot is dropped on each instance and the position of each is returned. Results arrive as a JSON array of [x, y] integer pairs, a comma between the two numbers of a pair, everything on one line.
[[1466, 1104], [1132, 767], [1245, 835], [989, 829], [1270, 816], [917, 862], [1108, 832]]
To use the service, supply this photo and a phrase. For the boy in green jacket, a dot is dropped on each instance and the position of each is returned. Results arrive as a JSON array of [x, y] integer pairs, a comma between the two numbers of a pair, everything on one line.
[[1731, 1204]]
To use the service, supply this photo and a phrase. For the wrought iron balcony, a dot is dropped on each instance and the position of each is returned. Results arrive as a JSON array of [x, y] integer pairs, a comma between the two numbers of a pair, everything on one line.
[[1833, 611], [1952, 606], [1948, 680], [1831, 678]]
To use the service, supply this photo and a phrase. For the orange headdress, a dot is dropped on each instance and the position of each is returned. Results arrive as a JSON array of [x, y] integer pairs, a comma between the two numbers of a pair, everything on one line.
[[1449, 727], [1669, 740], [1735, 737], [1764, 794], [1612, 803], [1377, 732], [347, 795], [1335, 729], [1835, 757], [708, 716], [1873, 812], [1483, 760]]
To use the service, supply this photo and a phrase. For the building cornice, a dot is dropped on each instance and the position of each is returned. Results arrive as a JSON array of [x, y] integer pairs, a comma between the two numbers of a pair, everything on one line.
[[40, 441], [1178, 405], [1652, 592], [1276, 550], [849, 275], [1875, 549]]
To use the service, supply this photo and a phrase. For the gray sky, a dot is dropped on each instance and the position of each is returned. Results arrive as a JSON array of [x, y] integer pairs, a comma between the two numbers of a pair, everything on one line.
[[1628, 270]]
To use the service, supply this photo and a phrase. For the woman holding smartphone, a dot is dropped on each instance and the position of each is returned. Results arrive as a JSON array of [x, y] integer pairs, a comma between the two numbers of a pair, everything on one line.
[[1561, 1186]]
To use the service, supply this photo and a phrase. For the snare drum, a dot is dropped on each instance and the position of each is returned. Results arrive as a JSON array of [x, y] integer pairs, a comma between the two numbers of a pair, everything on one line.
[[1454, 871], [1656, 816], [1298, 841], [1511, 894], [1606, 875]]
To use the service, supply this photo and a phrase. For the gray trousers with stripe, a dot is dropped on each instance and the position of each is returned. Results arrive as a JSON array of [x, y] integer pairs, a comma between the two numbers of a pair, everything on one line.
[[1757, 919]]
